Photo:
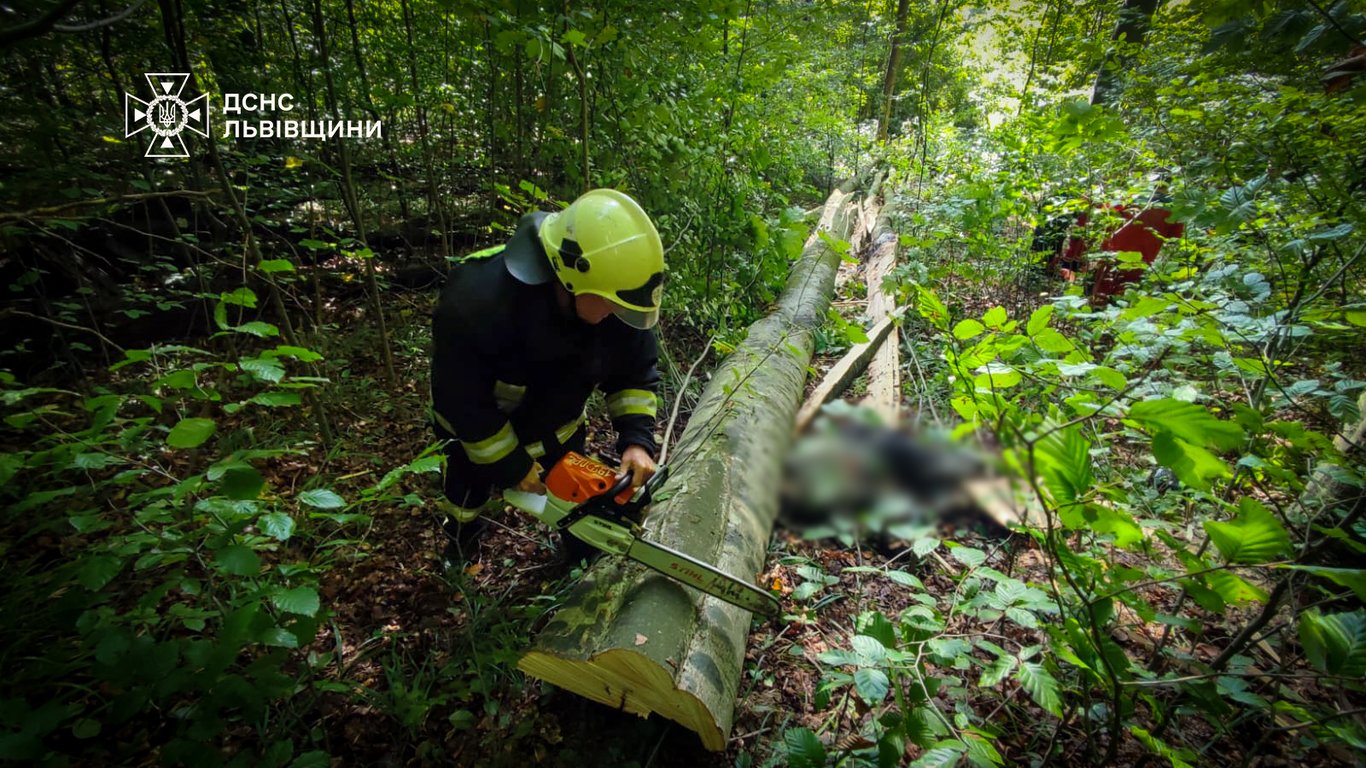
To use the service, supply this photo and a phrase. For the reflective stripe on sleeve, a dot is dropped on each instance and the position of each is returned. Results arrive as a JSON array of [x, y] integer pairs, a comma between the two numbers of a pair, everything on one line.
[[630, 402], [508, 396], [491, 449], [537, 449]]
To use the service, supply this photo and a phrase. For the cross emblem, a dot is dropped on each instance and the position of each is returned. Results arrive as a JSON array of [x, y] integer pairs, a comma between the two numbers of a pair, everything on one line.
[[166, 115]]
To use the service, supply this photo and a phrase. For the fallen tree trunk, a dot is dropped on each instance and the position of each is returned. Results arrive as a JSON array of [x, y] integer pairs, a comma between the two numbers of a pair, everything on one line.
[[843, 373], [632, 639], [884, 370]]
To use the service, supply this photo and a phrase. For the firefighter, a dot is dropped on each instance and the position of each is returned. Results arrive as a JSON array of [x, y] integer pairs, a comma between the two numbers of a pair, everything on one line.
[[522, 335]]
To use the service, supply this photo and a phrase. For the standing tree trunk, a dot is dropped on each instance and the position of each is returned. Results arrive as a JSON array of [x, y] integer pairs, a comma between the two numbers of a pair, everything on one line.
[[436, 209], [635, 640], [1134, 21], [351, 199], [893, 64], [174, 31]]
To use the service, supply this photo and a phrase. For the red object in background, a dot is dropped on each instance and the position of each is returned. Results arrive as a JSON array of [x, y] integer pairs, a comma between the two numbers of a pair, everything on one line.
[[1143, 233]]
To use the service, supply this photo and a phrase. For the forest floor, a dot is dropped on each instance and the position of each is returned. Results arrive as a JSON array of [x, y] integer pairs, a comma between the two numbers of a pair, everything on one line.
[[419, 665]]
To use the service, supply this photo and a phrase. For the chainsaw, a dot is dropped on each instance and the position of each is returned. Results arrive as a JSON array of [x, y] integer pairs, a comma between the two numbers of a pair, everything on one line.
[[586, 499]]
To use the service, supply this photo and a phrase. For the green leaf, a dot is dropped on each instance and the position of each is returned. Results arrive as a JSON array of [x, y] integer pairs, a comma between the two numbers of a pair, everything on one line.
[[277, 525], [1050, 340], [1188, 421], [94, 461], [1335, 643], [905, 579], [1352, 578], [1041, 686], [1192, 464], [968, 329], [242, 297], [1178, 759], [242, 483], [1038, 320], [804, 748], [997, 376], [86, 728], [1332, 233], [1105, 519], [968, 556], [941, 755], [301, 354], [322, 498], [263, 369], [279, 637], [276, 399], [872, 685], [1232, 588], [258, 329], [997, 671], [870, 649], [239, 560], [981, 753], [190, 433], [1254, 537], [995, 318], [97, 571], [181, 379], [879, 627], [270, 266], [574, 37], [314, 759], [1064, 460], [300, 600], [1022, 617], [923, 546], [1109, 377]]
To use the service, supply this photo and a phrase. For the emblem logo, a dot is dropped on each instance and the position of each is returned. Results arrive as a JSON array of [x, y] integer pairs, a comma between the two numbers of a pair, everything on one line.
[[166, 114]]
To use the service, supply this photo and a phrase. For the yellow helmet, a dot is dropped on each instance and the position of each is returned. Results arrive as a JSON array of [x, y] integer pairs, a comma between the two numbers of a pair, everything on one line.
[[605, 244]]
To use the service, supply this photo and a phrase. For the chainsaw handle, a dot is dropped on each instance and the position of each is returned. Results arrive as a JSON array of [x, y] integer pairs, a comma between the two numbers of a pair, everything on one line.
[[657, 479], [622, 484]]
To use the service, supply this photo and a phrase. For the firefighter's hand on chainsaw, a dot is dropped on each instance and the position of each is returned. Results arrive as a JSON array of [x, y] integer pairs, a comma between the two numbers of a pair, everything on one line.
[[636, 461], [532, 482]]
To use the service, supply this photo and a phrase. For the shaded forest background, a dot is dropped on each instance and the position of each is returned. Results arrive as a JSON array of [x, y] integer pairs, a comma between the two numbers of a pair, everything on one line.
[[218, 545]]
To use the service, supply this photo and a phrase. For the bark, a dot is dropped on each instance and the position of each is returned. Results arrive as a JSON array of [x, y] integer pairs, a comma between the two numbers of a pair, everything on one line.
[[350, 199], [643, 643], [843, 373], [884, 370], [893, 64]]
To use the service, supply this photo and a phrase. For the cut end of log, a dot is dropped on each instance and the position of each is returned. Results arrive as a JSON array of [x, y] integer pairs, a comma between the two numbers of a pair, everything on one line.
[[628, 681]]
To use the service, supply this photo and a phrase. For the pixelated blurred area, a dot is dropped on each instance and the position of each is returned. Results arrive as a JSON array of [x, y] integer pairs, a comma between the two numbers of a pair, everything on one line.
[[850, 474]]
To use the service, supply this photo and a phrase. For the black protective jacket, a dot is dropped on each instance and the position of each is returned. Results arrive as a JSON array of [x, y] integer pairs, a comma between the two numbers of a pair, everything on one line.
[[512, 369]]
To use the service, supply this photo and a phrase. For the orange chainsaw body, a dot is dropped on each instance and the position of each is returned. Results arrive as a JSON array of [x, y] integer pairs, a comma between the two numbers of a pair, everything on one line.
[[577, 478]]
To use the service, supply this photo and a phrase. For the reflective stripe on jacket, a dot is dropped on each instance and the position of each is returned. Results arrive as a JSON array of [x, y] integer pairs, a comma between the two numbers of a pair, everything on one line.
[[512, 368]]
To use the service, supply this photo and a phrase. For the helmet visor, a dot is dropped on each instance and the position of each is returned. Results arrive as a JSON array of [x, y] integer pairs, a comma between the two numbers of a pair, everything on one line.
[[636, 318]]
